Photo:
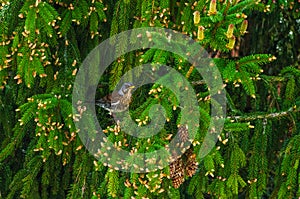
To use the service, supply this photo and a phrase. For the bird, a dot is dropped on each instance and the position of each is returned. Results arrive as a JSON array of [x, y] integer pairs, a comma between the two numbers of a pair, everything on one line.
[[117, 101]]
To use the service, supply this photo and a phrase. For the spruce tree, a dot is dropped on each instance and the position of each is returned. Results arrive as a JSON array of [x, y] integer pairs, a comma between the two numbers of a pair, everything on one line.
[[44, 43]]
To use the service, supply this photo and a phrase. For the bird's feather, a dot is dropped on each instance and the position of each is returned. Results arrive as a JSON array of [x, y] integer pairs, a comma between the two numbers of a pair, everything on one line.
[[117, 101]]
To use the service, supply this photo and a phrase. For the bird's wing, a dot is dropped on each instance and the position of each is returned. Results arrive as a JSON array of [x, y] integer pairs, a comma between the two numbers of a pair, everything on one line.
[[115, 102], [104, 102], [109, 102]]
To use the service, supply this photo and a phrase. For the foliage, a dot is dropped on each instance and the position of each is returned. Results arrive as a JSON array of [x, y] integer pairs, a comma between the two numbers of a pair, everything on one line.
[[43, 43]]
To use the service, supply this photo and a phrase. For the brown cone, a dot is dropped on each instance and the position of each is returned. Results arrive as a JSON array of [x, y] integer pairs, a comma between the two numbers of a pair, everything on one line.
[[177, 172], [191, 164], [183, 133]]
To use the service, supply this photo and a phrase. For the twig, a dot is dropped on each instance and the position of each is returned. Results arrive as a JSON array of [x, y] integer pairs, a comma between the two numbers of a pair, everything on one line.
[[200, 82]]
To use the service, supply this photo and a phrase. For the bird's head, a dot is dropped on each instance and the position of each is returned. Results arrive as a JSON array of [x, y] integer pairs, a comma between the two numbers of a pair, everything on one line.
[[126, 88]]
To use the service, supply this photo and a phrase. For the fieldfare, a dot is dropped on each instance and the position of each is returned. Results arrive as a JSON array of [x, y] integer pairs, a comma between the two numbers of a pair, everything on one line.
[[117, 101]]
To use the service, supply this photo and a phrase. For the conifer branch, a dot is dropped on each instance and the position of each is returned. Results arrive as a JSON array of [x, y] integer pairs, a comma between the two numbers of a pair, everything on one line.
[[265, 115], [269, 78]]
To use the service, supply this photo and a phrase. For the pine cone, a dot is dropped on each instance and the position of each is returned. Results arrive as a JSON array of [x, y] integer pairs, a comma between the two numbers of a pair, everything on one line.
[[191, 164], [183, 133], [177, 172]]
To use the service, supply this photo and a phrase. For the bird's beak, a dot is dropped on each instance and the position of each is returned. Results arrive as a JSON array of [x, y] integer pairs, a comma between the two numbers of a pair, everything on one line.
[[132, 87]]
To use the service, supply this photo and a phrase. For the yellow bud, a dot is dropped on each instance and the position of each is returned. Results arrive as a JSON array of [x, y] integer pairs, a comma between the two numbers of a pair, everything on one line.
[[251, 126], [212, 7], [200, 34], [244, 27], [230, 29], [231, 43], [196, 17]]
